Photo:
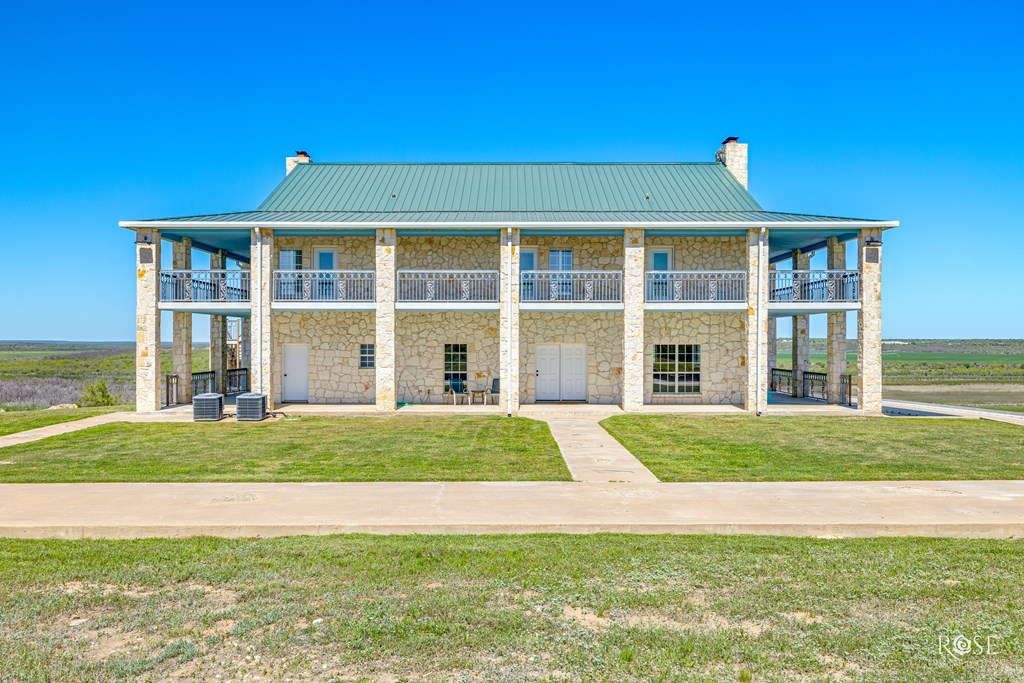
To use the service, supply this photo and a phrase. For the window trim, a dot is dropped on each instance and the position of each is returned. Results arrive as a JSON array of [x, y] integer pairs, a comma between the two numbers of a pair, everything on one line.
[[317, 250], [651, 251], [298, 259]]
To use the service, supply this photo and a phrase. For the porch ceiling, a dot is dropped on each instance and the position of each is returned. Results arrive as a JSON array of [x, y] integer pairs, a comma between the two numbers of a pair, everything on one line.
[[781, 243]]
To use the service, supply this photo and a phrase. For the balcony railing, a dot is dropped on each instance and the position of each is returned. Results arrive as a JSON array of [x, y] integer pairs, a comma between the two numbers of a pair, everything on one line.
[[448, 286], [574, 286], [200, 286], [693, 286], [815, 286], [325, 285]]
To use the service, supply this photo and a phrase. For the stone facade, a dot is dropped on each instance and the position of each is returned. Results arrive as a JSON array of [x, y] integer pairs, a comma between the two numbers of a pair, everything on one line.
[[601, 332], [449, 253], [508, 321], [755, 323], [420, 341], [869, 323], [334, 338], [836, 341], [182, 335], [702, 253], [801, 340], [354, 252], [633, 351], [384, 258], [722, 345], [263, 350], [147, 321], [588, 253]]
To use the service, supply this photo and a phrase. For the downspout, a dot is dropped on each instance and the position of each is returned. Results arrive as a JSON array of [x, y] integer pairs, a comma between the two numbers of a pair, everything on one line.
[[508, 322], [758, 345]]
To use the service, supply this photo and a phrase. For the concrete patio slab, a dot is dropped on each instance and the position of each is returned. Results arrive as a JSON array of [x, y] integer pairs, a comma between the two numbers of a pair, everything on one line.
[[976, 509]]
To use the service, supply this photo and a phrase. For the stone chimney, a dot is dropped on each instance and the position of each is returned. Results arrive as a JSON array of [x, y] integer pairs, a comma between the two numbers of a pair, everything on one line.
[[301, 157], [733, 154]]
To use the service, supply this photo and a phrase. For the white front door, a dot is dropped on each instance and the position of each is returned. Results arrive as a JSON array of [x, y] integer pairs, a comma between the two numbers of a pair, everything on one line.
[[295, 386], [549, 381], [561, 372], [574, 372]]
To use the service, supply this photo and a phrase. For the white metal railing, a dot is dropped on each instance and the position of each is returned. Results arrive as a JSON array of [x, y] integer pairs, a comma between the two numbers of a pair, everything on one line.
[[448, 285], [204, 285], [575, 286], [325, 285], [814, 286], [694, 286]]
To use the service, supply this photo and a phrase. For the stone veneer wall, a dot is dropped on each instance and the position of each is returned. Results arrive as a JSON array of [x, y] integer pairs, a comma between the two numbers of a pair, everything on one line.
[[601, 332], [354, 253], [420, 340], [703, 253], [448, 253], [333, 338], [588, 253], [723, 344]]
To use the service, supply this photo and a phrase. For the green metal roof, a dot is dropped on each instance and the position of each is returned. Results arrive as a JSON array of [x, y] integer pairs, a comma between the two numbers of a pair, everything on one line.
[[459, 188]]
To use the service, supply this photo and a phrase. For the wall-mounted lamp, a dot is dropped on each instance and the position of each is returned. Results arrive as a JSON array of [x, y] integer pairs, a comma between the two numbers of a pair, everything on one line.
[[873, 241], [143, 238]]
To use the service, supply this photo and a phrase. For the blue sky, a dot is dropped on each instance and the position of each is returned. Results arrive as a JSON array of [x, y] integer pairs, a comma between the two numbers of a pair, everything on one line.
[[879, 110]]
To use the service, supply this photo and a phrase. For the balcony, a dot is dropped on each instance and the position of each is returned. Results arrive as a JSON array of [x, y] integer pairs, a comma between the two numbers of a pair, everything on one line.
[[797, 292], [695, 290], [425, 290], [219, 292], [570, 290], [324, 290]]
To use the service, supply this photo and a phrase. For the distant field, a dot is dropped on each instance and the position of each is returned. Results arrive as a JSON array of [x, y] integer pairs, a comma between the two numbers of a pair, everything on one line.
[[42, 374]]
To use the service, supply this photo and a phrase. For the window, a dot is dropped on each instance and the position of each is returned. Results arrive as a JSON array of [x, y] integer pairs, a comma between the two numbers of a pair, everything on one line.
[[290, 259], [560, 259], [676, 369], [455, 363], [366, 356]]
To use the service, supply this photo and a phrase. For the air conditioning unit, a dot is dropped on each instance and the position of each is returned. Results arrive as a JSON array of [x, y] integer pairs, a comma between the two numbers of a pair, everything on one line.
[[207, 407], [251, 406]]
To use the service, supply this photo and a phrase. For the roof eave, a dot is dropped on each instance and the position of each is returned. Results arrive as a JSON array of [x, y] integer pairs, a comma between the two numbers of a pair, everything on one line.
[[704, 225]]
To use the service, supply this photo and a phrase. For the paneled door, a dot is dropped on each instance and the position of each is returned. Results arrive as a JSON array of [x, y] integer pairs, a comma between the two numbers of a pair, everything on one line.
[[295, 386], [561, 372]]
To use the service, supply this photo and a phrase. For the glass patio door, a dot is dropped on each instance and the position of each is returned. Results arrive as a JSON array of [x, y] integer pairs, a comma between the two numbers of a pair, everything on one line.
[[561, 285]]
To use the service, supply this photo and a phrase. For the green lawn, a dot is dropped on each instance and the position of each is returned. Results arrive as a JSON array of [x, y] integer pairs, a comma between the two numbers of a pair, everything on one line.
[[602, 607], [745, 448], [403, 448], [21, 420]]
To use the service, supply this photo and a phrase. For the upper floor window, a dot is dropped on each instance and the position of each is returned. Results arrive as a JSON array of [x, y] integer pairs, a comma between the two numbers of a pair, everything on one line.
[[560, 259], [290, 259]]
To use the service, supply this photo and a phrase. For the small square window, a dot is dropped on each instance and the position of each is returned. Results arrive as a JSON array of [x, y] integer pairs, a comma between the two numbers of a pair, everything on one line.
[[366, 356]]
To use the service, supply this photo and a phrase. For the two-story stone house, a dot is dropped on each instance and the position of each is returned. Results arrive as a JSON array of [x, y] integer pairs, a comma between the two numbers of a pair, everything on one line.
[[618, 283]]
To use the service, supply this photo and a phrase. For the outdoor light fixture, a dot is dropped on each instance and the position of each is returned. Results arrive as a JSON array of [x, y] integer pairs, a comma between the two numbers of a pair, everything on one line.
[[873, 241], [143, 238]]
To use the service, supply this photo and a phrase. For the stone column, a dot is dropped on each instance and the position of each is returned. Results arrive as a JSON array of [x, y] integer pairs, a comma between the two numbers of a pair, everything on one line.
[[219, 333], [869, 322], [182, 339], [509, 321], [245, 332], [773, 339], [756, 393], [801, 339], [147, 321], [836, 347], [385, 252], [261, 288], [633, 319]]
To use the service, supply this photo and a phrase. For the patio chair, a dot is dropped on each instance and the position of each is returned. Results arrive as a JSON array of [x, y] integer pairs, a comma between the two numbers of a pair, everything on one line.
[[457, 387], [495, 390]]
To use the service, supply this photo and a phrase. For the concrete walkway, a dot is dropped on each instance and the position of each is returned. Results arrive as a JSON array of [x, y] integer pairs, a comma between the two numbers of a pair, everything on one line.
[[989, 509], [94, 421], [590, 453], [939, 410]]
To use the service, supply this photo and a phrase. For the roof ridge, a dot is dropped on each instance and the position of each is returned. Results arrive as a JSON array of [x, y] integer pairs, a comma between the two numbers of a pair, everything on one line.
[[510, 163]]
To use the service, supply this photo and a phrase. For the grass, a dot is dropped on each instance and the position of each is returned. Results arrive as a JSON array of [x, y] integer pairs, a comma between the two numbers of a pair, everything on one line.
[[402, 448], [22, 420], [744, 448], [601, 607]]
